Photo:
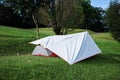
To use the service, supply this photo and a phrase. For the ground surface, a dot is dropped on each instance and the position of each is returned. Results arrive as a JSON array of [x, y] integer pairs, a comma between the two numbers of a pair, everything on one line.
[[105, 66]]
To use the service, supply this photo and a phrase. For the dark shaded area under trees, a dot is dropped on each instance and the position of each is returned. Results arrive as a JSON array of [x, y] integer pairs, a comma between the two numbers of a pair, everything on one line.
[[9, 18]]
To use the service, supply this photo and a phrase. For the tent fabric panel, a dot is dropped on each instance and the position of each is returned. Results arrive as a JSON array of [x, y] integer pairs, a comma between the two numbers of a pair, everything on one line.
[[90, 49], [79, 47], [49, 40], [68, 48], [52, 40], [39, 50]]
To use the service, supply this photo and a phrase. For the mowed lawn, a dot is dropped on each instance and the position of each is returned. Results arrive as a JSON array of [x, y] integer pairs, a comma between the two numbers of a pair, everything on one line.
[[13, 41]]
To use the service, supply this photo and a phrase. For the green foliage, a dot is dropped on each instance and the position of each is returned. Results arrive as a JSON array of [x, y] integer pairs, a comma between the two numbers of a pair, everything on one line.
[[24, 8], [104, 66], [7, 17], [64, 15], [113, 18], [61, 14], [93, 17]]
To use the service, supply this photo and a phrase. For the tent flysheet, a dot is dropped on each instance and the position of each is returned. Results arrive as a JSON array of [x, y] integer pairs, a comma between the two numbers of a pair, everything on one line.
[[72, 48]]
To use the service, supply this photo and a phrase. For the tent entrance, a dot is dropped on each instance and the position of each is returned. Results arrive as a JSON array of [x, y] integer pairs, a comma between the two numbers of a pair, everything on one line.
[[41, 51]]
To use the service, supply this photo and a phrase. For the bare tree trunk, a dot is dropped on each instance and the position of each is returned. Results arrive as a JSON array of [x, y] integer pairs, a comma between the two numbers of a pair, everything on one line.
[[37, 28]]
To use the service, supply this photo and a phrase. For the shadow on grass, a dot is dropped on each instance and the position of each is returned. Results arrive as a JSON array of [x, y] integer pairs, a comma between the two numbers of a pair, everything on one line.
[[104, 59]]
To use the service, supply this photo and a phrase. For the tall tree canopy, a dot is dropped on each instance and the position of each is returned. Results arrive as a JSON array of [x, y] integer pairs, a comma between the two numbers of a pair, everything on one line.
[[93, 16], [64, 15], [113, 19]]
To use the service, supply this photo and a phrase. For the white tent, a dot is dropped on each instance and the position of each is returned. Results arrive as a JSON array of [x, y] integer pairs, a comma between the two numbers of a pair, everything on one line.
[[72, 48]]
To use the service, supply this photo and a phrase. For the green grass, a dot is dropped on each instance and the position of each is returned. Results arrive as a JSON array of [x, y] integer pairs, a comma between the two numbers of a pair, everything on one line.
[[14, 40], [105, 66]]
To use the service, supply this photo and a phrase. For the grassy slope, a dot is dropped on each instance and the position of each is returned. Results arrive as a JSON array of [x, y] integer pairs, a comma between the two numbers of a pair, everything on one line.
[[14, 40], [26, 67]]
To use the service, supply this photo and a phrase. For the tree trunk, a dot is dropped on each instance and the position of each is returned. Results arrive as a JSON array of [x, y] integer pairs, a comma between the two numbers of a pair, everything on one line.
[[37, 28], [57, 30]]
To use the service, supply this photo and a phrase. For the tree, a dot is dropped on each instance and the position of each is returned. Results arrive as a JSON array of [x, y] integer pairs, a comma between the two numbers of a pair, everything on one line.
[[87, 10], [7, 17], [93, 16], [97, 19], [26, 9], [113, 19], [64, 15]]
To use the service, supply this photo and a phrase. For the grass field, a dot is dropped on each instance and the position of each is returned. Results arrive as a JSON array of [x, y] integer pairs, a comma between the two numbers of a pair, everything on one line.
[[105, 66]]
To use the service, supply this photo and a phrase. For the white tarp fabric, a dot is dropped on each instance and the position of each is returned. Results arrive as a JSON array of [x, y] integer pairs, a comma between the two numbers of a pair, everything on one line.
[[72, 48]]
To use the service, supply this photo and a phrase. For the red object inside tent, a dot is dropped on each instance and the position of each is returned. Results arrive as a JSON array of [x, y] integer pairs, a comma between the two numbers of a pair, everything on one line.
[[51, 55]]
